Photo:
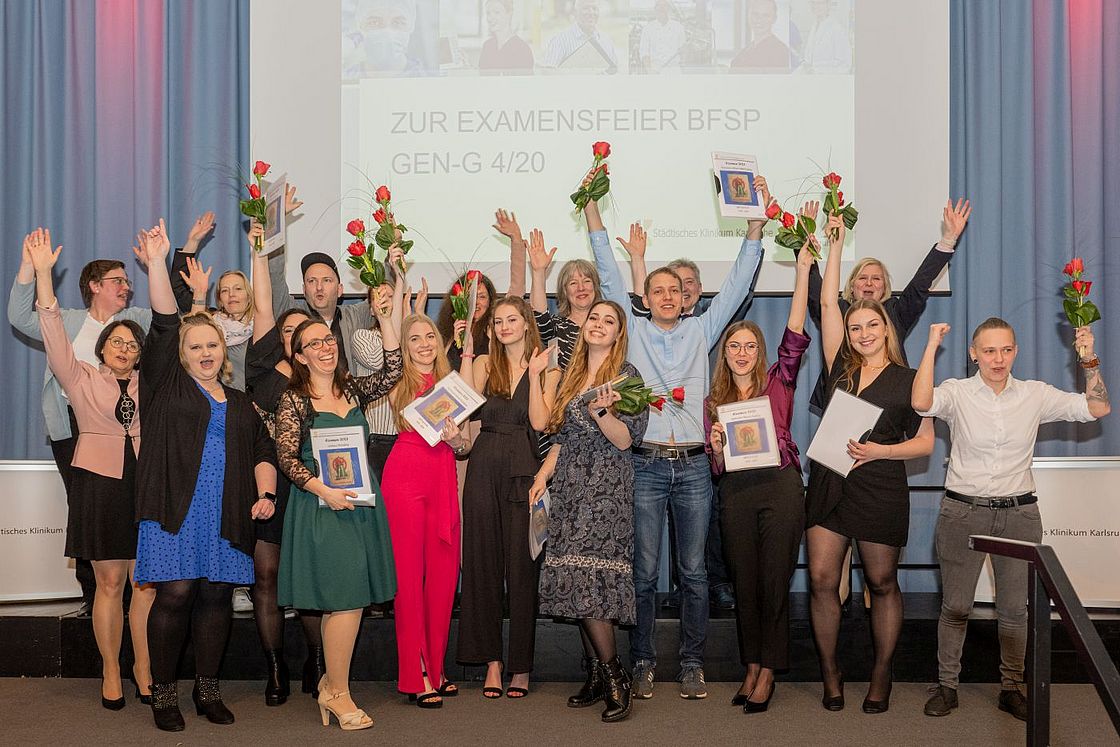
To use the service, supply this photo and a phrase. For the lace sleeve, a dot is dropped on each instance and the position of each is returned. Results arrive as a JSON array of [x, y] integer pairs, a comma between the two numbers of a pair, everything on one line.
[[291, 416], [377, 385]]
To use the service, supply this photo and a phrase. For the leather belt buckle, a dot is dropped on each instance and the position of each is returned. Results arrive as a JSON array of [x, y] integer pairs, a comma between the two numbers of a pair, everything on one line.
[[996, 503], [670, 452]]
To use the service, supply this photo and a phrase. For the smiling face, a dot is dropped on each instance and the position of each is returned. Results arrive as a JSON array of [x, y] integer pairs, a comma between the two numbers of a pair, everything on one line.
[[663, 297], [111, 292], [994, 351], [509, 325], [121, 351], [867, 333], [233, 294], [690, 287], [318, 349], [587, 15], [321, 289], [482, 302], [201, 353], [580, 291], [741, 352], [870, 283], [602, 327], [288, 326], [422, 342]]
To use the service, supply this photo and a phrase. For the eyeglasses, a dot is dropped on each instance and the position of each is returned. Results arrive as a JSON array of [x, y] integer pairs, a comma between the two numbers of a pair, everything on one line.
[[119, 281], [330, 340], [119, 342], [738, 347]]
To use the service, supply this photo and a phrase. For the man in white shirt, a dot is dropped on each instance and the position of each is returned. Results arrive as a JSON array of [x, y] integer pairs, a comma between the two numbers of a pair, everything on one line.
[[583, 38], [662, 41], [993, 422]]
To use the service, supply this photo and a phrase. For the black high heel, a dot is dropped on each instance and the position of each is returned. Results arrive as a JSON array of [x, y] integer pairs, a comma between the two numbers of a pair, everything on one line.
[[145, 699], [834, 702], [879, 706], [113, 705], [751, 706], [313, 670], [207, 699], [277, 688]]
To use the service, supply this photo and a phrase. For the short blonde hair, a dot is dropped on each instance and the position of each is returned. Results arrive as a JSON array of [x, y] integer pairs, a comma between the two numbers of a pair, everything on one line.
[[849, 289], [248, 316], [203, 319]]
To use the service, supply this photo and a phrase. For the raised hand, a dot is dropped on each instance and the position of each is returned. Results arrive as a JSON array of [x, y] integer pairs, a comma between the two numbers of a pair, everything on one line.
[[154, 244], [506, 224], [421, 298], [805, 259], [383, 302], [539, 258], [954, 218], [836, 231], [396, 258], [538, 362], [202, 226], [37, 248], [255, 235], [810, 209], [291, 204], [1082, 341], [636, 246], [937, 332], [197, 279], [760, 185]]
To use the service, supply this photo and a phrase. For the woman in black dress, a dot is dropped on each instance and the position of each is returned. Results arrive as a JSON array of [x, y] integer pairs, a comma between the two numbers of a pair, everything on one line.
[[267, 370], [505, 459], [872, 504]]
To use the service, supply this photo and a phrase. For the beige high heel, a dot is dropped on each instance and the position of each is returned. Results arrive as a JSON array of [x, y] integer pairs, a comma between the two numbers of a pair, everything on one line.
[[354, 721]]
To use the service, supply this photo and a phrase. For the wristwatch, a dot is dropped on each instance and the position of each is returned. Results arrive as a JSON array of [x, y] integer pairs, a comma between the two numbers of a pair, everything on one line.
[[601, 412], [269, 496]]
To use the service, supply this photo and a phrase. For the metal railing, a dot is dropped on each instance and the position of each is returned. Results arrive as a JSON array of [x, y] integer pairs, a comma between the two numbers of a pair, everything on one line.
[[1047, 582]]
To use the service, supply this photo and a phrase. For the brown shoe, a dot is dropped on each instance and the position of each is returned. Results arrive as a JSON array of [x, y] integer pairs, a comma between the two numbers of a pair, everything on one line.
[[944, 700], [1014, 703]]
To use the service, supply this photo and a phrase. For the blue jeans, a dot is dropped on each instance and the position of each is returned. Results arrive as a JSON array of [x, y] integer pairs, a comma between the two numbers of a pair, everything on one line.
[[685, 487]]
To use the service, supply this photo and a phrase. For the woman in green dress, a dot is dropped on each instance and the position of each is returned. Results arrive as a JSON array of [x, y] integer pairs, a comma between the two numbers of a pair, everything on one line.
[[336, 558]]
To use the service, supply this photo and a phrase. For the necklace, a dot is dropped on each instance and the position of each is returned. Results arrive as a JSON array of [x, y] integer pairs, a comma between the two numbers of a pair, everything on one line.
[[875, 368]]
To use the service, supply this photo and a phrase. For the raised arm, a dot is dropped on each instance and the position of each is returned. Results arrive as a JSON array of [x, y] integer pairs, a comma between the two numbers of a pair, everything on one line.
[[610, 276], [636, 248], [832, 321], [1095, 392], [921, 392], [21, 301], [155, 246], [911, 303], [200, 229], [539, 262], [506, 224], [60, 352], [799, 303], [263, 318], [809, 210]]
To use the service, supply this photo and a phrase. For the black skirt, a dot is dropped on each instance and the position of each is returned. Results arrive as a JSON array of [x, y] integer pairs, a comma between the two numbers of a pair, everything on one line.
[[101, 524]]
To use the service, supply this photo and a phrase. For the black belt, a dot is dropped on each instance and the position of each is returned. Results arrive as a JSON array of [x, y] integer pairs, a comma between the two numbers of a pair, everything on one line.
[[1010, 501], [657, 451]]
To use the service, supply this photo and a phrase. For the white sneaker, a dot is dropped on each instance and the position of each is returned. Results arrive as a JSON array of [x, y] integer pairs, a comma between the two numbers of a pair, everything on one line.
[[242, 602]]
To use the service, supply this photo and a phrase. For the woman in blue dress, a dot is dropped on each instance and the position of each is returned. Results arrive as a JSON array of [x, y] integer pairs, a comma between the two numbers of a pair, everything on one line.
[[206, 470]]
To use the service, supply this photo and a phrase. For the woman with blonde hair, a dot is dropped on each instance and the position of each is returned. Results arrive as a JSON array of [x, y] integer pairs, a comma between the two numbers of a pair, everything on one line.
[[577, 290], [872, 504], [505, 458], [422, 501], [587, 573], [206, 471]]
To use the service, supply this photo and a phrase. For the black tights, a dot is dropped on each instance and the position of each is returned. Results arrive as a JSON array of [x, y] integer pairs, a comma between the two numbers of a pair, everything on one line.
[[598, 639], [880, 572], [266, 611], [199, 605]]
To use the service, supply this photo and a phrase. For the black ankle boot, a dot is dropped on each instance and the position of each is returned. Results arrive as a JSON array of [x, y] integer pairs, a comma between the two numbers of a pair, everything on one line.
[[277, 688], [592, 690], [313, 670], [207, 699], [165, 706], [616, 691]]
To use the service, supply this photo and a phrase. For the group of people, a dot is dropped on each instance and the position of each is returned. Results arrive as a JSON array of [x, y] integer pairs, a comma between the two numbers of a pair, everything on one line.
[[224, 490]]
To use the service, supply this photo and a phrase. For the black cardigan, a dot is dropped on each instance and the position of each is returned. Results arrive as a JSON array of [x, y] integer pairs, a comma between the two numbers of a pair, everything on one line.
[[176, 415]]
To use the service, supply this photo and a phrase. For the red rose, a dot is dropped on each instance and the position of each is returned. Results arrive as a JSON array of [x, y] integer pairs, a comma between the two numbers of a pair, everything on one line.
[[773, 210], [355, 227], [254, 191], [678, 394], [382, 194], [831, 179], [788, 220], [1088, 285], [839, 198], [474, 275], [356, 249], [260, 168], [457, 289], [601, 149], [379, 216], [1068, 269], [658, 403], [1077, 266], [1082, 286]]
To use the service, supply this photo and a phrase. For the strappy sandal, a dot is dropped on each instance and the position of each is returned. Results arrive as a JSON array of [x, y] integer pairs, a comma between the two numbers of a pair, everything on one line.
[[516, 692], [448, 689]]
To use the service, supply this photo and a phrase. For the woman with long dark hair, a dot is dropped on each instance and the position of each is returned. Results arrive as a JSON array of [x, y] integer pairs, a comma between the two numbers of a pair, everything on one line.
[[587, 573], [479, 321], [872, 504], [762, 511]]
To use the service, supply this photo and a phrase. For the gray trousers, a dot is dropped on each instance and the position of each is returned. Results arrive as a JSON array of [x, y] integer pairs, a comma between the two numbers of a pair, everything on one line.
[[960, 570]]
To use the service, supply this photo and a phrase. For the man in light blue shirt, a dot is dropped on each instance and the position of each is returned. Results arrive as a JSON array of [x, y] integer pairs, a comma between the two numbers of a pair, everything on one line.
[[670, 467]]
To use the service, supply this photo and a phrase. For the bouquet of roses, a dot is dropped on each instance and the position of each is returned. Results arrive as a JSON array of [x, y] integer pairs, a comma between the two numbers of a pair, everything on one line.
[[834, 201], [372, 271], [1080, 311], [254, 207], [795, 230], [597, 182], [460, 298], [636, 395]]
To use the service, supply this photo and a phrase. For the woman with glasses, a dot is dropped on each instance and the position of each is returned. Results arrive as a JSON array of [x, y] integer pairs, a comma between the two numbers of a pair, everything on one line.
[[101, 525], [334, 557], [762, 511]]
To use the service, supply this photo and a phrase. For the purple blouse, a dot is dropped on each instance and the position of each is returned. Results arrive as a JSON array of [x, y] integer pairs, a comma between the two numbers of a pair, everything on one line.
[[781, 381]]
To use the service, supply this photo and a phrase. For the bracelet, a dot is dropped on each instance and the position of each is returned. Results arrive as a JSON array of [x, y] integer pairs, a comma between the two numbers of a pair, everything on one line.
[[198, 302], [1091, 363], [468, 355]]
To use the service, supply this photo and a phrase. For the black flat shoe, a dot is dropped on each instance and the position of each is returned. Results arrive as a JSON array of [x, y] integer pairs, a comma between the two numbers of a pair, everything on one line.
[[752, 706], [207, 699], [165, 707], [427, 700], [834, 702], [448, 689]]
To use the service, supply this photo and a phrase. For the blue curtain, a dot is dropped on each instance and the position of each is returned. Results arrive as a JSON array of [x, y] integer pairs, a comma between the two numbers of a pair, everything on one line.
[[116, 113]]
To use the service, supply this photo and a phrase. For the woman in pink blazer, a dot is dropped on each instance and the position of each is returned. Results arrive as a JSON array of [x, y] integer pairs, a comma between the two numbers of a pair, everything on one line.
[[102, 518]]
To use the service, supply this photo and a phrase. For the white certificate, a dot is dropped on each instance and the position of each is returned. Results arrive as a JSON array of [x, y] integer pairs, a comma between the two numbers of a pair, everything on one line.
[[752, 441], [451, 397], [341, 456], [274, 214], [847, 417], [735, 186], [538, 524]]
